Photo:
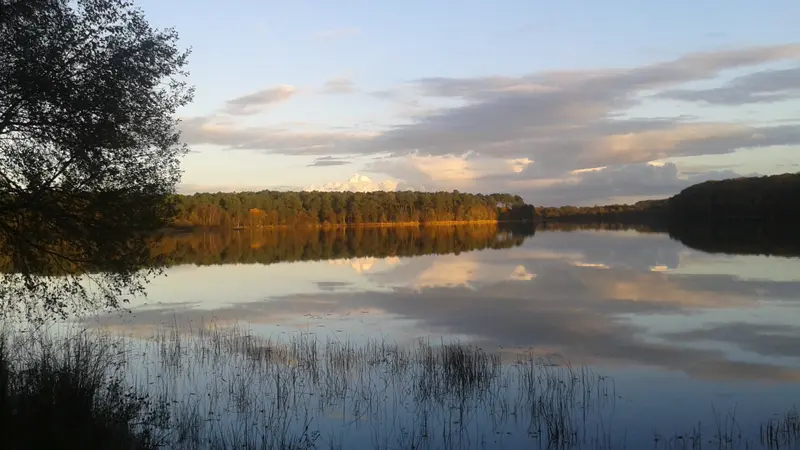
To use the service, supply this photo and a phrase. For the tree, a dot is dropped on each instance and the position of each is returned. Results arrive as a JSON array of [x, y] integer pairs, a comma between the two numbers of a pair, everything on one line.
[[89, 148]]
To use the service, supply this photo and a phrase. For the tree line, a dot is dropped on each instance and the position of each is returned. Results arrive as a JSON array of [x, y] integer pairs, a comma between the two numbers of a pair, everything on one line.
[[773, 197], [637, 212], [313, 209], [767, 197]]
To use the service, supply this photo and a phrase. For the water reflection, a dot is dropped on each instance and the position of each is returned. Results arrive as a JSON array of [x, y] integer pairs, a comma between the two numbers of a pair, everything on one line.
[[740, 237], [707, 329], [621, 297], [312, 244]]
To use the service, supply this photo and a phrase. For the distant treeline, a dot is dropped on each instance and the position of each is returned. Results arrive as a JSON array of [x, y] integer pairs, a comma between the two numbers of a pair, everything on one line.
[[767, 197], [315, 244], [764, 198], [314, 209], [748, 215], [639, 212]]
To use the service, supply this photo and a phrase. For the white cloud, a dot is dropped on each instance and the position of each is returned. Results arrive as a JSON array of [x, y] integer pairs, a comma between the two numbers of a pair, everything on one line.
[[447, 172], [519, 164], [260, 100], [587, 170], [356, 183], [218, 131]]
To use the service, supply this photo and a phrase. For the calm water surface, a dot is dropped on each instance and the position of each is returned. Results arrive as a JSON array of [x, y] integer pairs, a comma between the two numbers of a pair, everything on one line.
[[685, 337]]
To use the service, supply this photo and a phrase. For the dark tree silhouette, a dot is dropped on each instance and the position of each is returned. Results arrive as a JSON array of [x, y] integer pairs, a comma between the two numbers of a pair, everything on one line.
[[771, 198], [89, 148], [637, 212]]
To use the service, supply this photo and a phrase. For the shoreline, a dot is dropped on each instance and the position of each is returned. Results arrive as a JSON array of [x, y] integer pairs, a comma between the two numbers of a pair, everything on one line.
[[440, 223]]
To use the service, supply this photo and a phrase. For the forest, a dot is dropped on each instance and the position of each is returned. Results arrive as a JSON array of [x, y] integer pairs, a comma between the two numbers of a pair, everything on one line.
[[313, 209], [296, 226], [755, 197], [767, 197], [761, 198], [642, 212]]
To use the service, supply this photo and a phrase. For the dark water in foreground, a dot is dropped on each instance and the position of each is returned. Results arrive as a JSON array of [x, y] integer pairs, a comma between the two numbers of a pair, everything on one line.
[[611, 339]]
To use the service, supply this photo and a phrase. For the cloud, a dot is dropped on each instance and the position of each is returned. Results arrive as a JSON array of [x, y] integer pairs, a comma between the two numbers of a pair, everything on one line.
[[561, 120], [760, 87], [336, 33], [428, 169], [356, 183], [602, 185], [599, 185], [570, 120], [590, 186], [339, 86], [258, 101], [326, 161], [530, 134], [447, 172], [217, 131], [519, 164]]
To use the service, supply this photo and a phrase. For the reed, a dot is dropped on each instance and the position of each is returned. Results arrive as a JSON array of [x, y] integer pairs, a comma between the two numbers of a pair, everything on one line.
[[205, 386]]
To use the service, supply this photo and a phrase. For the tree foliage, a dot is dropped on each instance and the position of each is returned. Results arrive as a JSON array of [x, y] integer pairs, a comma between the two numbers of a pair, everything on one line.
[[292, 209], [603, 213], [746, 215], [89, 146], [762, 198], [767, 197]]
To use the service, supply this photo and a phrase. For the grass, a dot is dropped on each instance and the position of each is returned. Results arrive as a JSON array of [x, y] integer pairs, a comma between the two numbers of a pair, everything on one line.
[[207, 387], [781, 431], [54, 392]]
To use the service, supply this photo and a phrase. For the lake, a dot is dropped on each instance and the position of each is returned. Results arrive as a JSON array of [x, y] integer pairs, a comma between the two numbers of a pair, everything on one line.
[[470, 337]]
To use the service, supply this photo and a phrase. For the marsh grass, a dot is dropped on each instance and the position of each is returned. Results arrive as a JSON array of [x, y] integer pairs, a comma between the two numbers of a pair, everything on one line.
[[209, 387], [781, 431], [54, 391]]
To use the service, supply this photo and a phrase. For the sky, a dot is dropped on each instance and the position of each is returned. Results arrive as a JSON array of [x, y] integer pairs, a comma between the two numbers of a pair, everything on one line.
[[571, 102]]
